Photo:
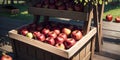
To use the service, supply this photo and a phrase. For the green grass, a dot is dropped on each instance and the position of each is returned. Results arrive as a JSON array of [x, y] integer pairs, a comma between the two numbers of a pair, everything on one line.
[[112, 8], [23, 15]]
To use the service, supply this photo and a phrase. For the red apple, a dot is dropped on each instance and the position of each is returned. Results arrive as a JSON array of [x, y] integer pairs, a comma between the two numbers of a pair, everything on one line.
[[52, 34], [32, 25], [67, 31], [56, 30], [69, 6], [61, 7], [60, 46], [29, 35], [59, 39], [36, 33], [45, 31], [39, 27], [24, 31], [76, 34], [41, 37], [50, 40], [63, 35], [117, 19], [39, 5], [6, 57], [78, 7], [109, 17], [69, 42], [52, 6]]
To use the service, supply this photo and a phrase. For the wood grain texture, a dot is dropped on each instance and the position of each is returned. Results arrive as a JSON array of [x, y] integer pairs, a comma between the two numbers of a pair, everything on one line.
[[58, 13]]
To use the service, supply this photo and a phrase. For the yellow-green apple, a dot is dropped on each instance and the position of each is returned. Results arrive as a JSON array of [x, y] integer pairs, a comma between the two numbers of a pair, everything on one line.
[[60, 46], [29, 35], [67, 31], [69, 42], [76, 34]]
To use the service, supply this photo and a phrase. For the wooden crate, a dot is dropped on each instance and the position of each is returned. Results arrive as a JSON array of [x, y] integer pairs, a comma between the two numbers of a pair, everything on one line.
[[11, 11], [30, 49]]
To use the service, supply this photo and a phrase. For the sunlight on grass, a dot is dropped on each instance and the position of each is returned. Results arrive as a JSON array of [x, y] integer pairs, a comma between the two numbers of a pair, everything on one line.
[[24, 12], [114, 12]]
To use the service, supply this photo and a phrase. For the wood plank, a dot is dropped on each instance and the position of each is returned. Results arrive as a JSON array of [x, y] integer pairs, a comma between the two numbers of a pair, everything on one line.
[[81, 42], [64, 53], [111, 33], [111, 26], [58, 13], [96, 24]]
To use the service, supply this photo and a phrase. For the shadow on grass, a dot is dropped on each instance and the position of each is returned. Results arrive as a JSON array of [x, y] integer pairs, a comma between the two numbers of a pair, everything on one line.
[[116, 41], [22, 15], [112, 5]]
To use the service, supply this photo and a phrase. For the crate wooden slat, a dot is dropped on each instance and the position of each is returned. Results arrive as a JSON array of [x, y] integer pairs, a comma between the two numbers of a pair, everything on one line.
[[58, 13], [64, 53]]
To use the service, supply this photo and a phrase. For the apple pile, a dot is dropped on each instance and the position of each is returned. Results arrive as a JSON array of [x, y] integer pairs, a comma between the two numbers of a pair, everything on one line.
[[61, 5], [6, 57], [62, 37]]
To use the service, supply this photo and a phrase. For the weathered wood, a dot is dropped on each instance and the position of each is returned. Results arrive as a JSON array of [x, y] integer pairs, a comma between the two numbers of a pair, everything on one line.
[[100, 13], [96, 24], [46, 18], [64, 53], [58, 13], [36, 19], [87, 24], [93, 47]]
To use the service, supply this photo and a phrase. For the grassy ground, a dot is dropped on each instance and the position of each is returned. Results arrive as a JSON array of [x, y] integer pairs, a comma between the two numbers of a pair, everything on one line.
[[111, 8]]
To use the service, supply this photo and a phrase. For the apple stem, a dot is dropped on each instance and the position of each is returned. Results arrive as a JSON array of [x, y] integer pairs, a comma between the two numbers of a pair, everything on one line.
[[4, 53]]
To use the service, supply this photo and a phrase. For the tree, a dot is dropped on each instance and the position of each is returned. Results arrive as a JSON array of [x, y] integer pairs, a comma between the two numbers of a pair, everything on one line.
[[12, 1]]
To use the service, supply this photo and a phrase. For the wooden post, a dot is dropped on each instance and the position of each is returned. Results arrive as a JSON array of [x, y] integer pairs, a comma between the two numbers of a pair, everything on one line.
[[11, 1], [96, 24], [36, 19], [92, 47], [87, 24], [46, 18], [100, 11]]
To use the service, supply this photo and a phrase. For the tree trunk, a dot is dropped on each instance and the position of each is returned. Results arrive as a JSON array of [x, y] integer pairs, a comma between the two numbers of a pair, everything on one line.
[[12, 2]]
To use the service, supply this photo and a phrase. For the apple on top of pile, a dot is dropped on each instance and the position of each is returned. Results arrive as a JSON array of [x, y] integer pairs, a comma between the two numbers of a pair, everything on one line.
[[71, 5], [62, 37]]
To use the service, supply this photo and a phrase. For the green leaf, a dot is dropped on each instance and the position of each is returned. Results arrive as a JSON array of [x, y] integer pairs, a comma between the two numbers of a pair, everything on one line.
[[85, 4], [86, 0], [106, 2], [100, 2], [81, 0]]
